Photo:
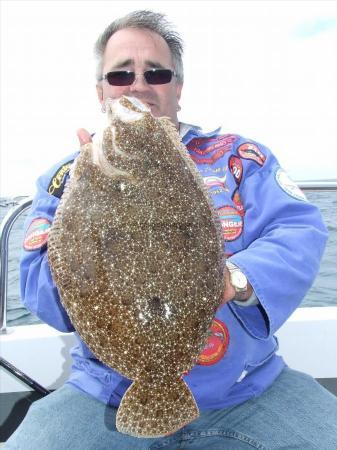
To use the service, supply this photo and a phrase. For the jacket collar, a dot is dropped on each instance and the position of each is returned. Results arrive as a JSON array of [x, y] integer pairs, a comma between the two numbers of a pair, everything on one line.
[[188, 132]]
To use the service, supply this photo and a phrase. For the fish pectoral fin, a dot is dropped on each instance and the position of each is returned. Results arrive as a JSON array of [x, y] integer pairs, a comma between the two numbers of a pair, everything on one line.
[[156, 410]]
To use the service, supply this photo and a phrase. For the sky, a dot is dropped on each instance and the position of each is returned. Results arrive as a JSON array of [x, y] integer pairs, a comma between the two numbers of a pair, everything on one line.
[[266, 70]]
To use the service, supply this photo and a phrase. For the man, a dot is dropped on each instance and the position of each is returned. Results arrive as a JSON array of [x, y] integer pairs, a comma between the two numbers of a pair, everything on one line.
[[274, 242]]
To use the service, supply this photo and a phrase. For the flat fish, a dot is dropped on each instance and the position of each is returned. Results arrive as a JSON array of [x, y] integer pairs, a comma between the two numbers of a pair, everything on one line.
[[136, 252]]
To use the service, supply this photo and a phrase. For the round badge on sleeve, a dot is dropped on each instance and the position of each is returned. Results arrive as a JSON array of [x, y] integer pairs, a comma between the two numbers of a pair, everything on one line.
[[217, 344], [231, 222], [288, 185], [235, 167], [37, 234]]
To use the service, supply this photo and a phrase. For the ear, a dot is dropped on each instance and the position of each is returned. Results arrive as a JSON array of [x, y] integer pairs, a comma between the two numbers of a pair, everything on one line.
[[99, 91], [179, 88]]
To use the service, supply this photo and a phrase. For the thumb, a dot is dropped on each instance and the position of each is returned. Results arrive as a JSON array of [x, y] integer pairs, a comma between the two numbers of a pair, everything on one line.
[[229, 290], [83, 136]]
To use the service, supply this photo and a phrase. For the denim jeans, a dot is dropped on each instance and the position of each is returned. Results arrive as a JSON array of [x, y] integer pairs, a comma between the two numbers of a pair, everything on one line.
[[294, 413]]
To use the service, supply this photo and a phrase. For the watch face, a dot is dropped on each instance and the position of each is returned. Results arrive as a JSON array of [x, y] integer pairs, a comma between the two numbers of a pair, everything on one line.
[[239, 280]]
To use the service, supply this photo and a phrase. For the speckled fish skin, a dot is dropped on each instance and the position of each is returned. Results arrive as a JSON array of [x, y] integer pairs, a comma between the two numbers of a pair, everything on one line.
[[137, 255]]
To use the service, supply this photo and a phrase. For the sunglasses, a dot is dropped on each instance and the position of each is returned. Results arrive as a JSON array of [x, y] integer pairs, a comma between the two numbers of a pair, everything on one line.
[[127, 77]]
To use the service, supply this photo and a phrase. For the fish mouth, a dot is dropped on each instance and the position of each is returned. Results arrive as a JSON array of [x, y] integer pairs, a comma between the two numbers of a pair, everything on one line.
[[127, 109], [141, 103]]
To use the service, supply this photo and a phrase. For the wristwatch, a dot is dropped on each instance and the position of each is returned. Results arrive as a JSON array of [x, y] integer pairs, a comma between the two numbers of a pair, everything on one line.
[[239, 282]]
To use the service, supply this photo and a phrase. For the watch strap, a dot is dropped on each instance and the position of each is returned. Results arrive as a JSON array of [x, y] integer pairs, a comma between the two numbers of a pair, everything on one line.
[[251, 301], [240, 290], [239, 298]]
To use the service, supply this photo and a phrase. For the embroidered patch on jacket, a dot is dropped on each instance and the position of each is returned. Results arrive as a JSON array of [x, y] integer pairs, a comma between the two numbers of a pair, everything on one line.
[[57, 183], [231, 222], [218, 146], [213, 170], [217, 344], [218, 182], [237, 201], [288, 185], [235, 168], [211, 159], [251, 151], [203, 145], [37, 234]]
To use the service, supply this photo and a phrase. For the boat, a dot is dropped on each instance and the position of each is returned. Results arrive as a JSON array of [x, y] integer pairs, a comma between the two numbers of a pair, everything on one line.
[[34, 359]]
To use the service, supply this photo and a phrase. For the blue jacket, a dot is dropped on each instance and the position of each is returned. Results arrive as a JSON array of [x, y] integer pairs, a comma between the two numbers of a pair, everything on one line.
[[271, 232]]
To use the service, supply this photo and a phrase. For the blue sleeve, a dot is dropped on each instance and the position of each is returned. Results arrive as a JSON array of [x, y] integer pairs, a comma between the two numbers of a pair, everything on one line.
[[284, 240], [38, 291]]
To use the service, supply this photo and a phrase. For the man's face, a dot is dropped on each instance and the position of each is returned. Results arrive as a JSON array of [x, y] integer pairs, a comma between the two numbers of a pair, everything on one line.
[[139, 50]]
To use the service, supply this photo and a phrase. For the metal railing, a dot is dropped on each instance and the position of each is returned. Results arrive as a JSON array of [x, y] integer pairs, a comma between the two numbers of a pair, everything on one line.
[[23, 377], [318, 185], [5, 229]]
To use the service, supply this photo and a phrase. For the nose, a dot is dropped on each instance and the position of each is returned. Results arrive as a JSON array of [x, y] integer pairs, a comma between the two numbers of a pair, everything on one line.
[[140, 84]]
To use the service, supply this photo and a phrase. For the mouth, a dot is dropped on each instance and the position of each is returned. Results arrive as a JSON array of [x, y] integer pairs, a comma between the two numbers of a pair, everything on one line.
[[149, 105], [153, 108]]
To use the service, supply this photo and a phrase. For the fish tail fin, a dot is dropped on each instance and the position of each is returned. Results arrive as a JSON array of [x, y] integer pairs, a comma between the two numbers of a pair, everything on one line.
[[156, 410]]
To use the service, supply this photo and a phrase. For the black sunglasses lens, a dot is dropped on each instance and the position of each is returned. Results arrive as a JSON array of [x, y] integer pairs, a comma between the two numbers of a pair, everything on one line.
[[126, 78], [120, 78], [158, 76]]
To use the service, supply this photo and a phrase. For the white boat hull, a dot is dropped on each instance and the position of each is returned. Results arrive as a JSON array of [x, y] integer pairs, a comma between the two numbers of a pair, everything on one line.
[[307, 343]]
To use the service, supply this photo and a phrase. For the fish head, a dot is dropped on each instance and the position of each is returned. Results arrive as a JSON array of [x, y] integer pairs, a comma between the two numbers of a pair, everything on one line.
[[126, 136], [125, 109]]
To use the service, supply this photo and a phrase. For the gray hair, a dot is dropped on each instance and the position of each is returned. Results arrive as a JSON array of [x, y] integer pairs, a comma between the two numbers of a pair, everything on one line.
[[149, 20]]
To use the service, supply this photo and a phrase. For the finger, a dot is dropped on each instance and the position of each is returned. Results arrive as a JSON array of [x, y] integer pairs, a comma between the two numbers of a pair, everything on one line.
[[229, 292], [83, 136]]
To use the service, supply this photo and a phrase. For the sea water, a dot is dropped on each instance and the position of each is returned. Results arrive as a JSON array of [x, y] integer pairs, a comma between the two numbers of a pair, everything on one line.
[[322, 293]]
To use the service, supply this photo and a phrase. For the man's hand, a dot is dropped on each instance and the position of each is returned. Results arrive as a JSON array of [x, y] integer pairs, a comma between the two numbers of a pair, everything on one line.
[[230, 291], [83, 136]]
